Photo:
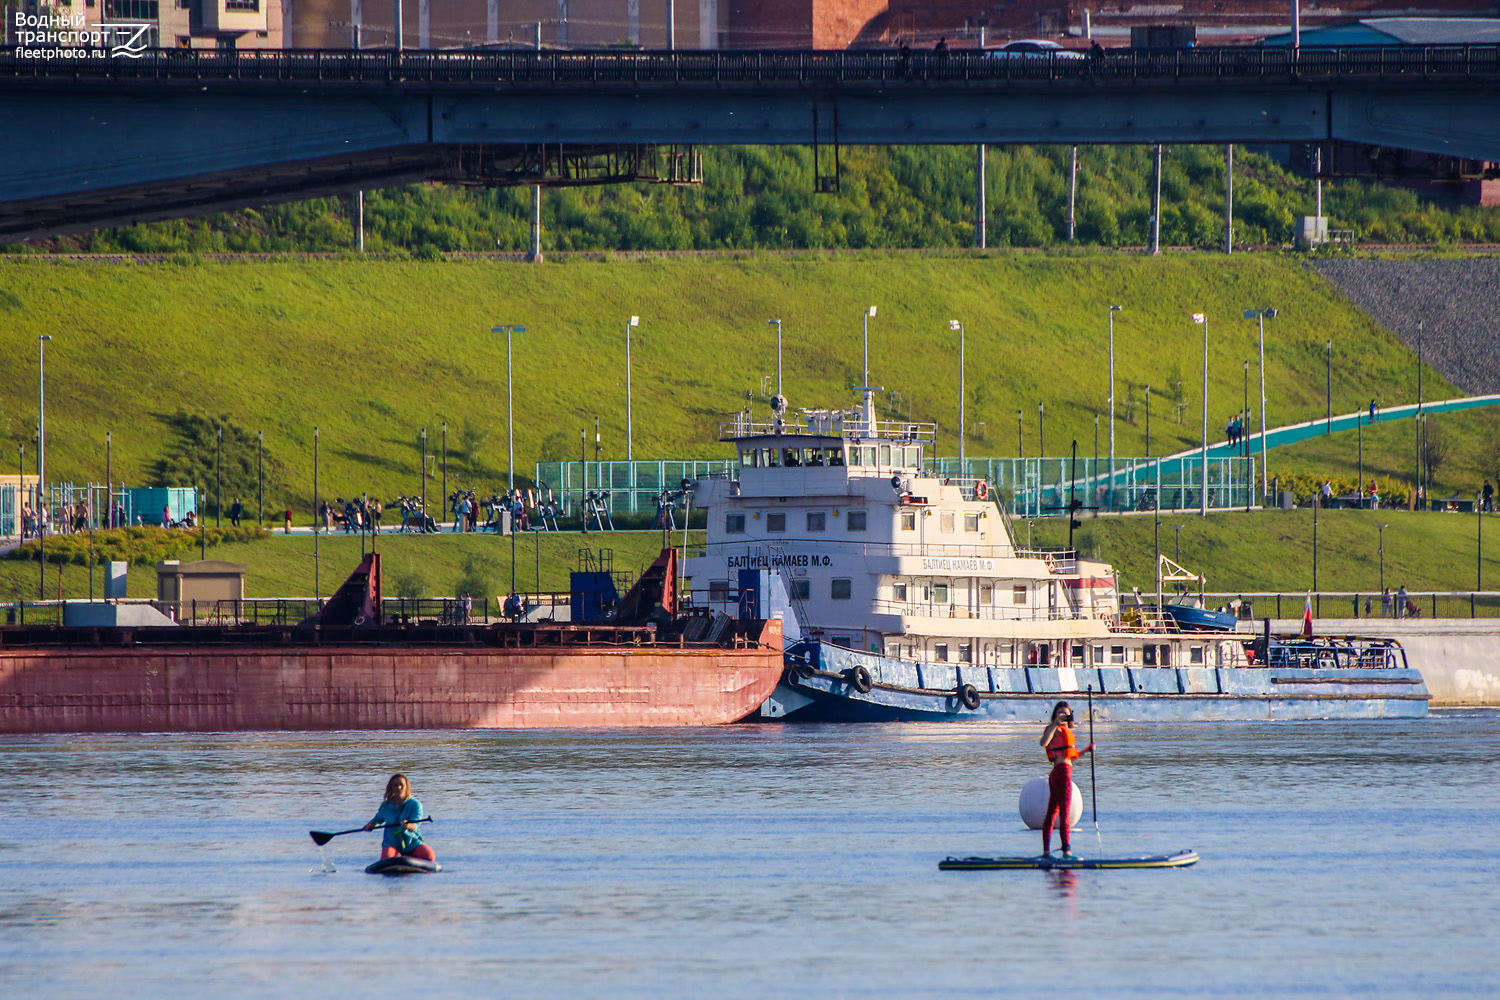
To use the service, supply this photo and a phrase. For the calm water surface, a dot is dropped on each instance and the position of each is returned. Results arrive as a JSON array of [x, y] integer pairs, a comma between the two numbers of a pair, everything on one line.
[[1338, 859]]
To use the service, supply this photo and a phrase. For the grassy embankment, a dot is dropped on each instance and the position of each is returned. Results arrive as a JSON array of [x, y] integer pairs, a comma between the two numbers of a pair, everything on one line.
[[372, 352]]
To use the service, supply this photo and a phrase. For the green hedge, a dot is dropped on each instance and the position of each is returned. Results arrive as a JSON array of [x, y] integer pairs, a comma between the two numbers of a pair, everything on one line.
[[137, 545]]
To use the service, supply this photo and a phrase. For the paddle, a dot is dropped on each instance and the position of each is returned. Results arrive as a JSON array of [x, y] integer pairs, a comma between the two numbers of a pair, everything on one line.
[[320, 838], [1093, 777]]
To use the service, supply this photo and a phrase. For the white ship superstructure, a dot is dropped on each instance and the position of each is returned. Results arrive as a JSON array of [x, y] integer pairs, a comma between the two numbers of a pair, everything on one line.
[[883, 558]]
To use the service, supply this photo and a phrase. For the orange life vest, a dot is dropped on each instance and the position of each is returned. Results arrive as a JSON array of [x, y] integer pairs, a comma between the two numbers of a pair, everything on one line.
[[1062, 745]]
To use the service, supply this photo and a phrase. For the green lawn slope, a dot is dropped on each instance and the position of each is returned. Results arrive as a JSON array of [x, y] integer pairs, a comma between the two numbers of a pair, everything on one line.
[[370, 353]]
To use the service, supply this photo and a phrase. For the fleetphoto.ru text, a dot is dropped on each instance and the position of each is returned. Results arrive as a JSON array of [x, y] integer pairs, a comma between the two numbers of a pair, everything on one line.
[[68, 35]]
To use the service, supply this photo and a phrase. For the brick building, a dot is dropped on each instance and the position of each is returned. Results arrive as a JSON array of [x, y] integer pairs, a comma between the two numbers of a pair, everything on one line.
[[184, 24]]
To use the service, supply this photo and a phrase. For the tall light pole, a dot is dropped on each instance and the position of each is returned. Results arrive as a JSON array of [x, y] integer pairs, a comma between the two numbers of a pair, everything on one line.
[[954, 324], [218, 479], [869, 313], [1260, 316], [1245, 444], [510, 421], [1328, 385], [1382, 528], [41, 459], [1202, 320], [629, 442], [1110, 489], [777, 324]]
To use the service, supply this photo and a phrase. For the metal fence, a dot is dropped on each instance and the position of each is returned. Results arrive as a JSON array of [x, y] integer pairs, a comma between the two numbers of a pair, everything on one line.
[[885, 66], [632, 487], [1044, 487], [1360, 604]]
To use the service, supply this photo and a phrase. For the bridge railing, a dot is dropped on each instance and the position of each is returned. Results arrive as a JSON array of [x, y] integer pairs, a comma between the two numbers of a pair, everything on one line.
[[523, 67]]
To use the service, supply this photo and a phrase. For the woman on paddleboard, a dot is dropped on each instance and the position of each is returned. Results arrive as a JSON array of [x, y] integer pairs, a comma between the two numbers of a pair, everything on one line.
[[399, 807], [1061, 748]]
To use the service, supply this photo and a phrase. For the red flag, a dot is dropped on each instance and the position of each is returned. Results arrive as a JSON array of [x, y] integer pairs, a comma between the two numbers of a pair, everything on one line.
[[1307, 616]]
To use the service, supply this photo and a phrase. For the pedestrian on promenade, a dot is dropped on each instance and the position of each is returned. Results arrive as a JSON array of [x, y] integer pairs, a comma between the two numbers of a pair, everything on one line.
[[1385, 603], [287, 523], [236, 511], [166, 517], [1374, 411], [1401, 601], [1488, 503]]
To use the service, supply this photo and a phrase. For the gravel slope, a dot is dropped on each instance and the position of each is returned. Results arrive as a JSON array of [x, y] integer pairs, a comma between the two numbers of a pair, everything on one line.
[[1457, 302]]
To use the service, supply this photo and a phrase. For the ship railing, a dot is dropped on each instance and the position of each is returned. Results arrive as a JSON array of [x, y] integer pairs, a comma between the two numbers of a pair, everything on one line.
[[817, 425], [950, 610], [804, 544]]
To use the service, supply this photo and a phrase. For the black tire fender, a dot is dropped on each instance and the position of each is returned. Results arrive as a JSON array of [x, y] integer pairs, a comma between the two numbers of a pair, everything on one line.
[[860, 678], [968, 696], [798, 672]]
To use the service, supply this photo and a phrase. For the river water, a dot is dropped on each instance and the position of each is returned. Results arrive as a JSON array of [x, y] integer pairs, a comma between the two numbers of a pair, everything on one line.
[[750, 861]]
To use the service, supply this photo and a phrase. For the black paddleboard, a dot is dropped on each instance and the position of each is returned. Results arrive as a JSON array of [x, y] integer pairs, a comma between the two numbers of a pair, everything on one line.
[[1181, 859], [403, 865]]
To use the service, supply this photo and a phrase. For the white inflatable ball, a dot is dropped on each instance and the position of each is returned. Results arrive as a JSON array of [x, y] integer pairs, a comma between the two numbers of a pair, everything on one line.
[[1033, 804]]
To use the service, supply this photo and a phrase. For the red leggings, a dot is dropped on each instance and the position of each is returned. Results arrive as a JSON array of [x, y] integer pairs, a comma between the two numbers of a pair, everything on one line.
[[1059, 802], [420, 851]]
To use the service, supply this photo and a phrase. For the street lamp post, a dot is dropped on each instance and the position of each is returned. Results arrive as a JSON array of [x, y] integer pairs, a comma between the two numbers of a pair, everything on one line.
[[510, 421], [1381, 528], [1110, 488], [629, 441], [218, 479], [954, 324], [1148, 421], [260, 478], [317, 517], [777, 323], [1202, 320], [41, 460], [1328, 385], [869, 314], [1244, 443], [1041, 431], [1260, 316], [445, 465]]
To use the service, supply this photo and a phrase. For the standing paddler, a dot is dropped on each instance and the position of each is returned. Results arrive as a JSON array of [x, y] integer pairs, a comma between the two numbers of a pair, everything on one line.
[[1061, 749]]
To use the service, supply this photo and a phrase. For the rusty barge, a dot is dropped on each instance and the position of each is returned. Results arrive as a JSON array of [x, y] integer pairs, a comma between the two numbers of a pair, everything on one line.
[[346, 668]]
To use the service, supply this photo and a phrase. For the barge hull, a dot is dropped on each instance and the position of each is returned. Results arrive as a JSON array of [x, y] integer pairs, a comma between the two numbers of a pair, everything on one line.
[[219, 689]]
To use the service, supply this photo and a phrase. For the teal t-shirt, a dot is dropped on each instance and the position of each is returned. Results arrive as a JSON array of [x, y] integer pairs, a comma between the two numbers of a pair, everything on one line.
[[401, 839]]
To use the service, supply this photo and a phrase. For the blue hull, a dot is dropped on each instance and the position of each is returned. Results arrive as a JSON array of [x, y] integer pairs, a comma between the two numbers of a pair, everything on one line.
[[1200, 619], [903, 690]]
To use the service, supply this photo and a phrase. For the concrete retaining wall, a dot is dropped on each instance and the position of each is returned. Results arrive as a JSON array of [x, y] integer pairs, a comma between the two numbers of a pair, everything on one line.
[[1459, 657]]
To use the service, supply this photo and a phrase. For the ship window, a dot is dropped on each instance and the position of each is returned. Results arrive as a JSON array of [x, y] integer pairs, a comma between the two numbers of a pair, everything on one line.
[[1117, 654], [1018, 594], [854, 454], [986, 594], [940, 593], [940, 652], [817, 520], [835, 456], [734, 524], [898, 592], [855, 521], [1195, 654], [773, 458], [914, 456], [885, 454], [1148, 655], [841, 589], [748, 458], [718, 590], [965, 655], [843, 640], [893, 649], [908, 520], [971, 522], [801, 590], [775, 522], [947, 522], [1077, 653], [815, 456], [869, 454], [791, 457]]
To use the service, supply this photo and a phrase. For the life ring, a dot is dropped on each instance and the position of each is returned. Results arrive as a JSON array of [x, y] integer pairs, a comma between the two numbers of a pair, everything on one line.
[[968, 696], [982, 490], [860, 678]]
